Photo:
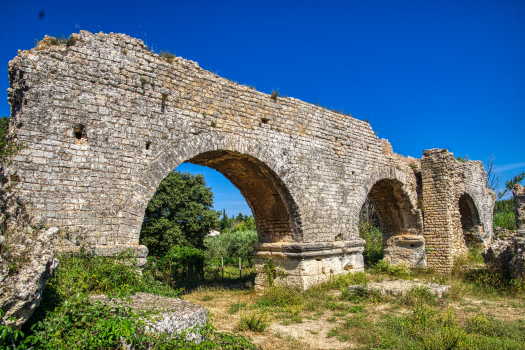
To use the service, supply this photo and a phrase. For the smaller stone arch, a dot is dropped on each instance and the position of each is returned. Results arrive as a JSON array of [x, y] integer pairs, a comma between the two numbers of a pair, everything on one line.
[[471, 226], [401, 222]]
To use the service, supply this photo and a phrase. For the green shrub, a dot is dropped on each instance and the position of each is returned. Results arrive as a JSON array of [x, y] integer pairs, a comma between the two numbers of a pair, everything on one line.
[[419, 296], [232, 244], [505, 220], [281, 296], [80, 323], [256, 322], [374, 242], [392, 270], [89, 274]]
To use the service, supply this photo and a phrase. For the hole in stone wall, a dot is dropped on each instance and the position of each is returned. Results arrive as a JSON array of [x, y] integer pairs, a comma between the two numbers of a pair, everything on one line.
[[148, 144], [19, 125], [78, 131], [265, 120], [470, 222]]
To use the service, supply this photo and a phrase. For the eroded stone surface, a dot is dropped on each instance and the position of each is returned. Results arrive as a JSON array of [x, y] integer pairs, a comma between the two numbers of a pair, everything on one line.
[[401, 287], [21, 290], [170, 315]]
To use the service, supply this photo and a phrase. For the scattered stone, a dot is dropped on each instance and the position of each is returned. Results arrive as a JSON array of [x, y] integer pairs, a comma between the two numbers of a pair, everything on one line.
[[24, 270], [170, 315], [401, 287]]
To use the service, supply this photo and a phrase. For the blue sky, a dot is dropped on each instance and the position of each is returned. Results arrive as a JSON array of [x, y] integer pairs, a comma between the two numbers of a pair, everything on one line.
[[427, 74]]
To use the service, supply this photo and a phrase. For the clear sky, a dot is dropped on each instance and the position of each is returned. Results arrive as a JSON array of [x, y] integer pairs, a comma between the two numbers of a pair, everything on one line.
[[427, 74]]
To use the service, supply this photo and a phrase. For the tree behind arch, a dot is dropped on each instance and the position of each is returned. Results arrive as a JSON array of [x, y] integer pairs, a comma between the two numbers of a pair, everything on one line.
[[179, 213]]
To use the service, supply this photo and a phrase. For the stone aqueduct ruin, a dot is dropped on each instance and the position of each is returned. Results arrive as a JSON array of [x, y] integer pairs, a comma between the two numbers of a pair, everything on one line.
[[105, 120]]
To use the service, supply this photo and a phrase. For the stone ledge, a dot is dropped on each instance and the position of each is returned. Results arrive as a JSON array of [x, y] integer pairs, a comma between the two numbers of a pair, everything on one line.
[[301, 250]]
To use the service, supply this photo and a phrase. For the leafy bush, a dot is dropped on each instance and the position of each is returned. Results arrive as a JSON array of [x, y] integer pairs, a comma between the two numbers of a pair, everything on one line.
[[419, 296], [89, 274], [505, 220], [256, 322], [281, 296], [232, 244], [392, 270], [374, 242], [68, 319]]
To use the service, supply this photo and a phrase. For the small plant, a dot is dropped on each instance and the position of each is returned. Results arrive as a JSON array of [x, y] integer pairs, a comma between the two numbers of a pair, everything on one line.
[[254, 322], [235, 307], [143, 81], [207, 297], [419, 296], [413, 166], [274, 95], [331, 319], [463, 159], [213, 124], [167, 56]]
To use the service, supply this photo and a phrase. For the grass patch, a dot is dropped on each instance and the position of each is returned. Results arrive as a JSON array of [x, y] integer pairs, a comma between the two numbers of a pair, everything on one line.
[[235, 307], [255, 322]]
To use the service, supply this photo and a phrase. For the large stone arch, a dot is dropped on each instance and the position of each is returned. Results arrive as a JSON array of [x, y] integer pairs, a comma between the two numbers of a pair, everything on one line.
[[393, 193], [251, 167]]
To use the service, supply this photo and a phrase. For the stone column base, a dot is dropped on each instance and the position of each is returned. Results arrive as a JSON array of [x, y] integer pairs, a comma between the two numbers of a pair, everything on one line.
[[303, 265]]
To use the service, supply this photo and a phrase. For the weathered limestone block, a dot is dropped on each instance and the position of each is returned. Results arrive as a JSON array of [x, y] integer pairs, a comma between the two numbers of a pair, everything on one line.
[[303, 265], [408, 250], [399, 288], [519, 205], [507, 254], [21, 290], [169, 315]]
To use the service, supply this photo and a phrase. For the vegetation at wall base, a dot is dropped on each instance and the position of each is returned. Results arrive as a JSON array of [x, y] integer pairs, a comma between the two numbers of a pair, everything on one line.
[[68, 318]]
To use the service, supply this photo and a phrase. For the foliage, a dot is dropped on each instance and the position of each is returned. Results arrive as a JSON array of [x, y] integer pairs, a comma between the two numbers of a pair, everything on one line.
[[505, 220], [167, 55], [81, 323], [237, 223], [463, 159], [235, 307], [256, 322], [176, 262], [504, 214], [374, 242], [8, 148], [232, 244], [90, 274], [180, 213], [391, 270], [63, 41], [69, 319]]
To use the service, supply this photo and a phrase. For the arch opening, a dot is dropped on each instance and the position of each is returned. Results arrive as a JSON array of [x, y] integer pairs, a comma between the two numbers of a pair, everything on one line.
[[471, 226], [266, 195], [399, 223]]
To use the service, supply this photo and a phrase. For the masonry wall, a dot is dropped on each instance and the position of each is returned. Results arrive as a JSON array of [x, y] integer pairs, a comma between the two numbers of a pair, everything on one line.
[[125, 97], [104, 120], [445, 180]]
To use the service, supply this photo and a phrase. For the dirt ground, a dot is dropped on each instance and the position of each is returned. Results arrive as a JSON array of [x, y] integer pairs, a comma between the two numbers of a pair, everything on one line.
[[311, 330]]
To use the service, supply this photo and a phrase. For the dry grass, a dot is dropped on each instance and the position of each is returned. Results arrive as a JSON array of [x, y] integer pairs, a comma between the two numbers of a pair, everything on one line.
[[324, 318]]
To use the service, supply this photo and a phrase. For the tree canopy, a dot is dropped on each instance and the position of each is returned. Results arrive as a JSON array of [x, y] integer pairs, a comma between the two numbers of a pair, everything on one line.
[[180, 213]]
